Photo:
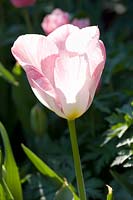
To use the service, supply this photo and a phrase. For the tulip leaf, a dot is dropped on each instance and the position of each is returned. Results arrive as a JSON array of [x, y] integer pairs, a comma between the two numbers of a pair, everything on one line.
[[2, 193], [0, 165], [11, 175], [41, 166], [7, 75], [4, 190], [64, 193], [7, 191], [46, 170], [110, 193]]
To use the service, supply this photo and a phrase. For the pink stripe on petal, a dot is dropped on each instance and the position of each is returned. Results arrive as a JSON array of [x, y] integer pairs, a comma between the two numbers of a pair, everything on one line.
[[36, 78], [48, 65], [44, 90], [32, 49]]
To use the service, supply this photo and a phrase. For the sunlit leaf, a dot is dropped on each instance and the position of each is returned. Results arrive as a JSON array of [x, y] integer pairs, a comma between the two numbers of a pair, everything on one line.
[[120, 122], [17, 70], [11, 171], [7, 192], [115, 131], [128, 141], [123, 156], [2, 194], [4, 190], [41, 166], [110, 193]]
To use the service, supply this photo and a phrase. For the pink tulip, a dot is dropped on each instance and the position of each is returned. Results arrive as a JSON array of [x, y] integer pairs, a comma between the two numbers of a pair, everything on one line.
[[63, 68], [22, 3], [57, 18], [81, 23]]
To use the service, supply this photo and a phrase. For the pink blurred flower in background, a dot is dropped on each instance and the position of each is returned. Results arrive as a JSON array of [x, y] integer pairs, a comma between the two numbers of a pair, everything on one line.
[[57, 18], [22, 3], [63, 68], [81, 23]]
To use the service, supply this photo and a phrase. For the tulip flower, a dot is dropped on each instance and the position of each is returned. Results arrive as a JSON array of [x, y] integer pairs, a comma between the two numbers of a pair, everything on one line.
[[52, 21], [22, 3], [63, 68], [81, 23]]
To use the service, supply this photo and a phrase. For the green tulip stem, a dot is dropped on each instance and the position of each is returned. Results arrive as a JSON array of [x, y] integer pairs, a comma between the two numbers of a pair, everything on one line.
[[27, 20], [76, 157]]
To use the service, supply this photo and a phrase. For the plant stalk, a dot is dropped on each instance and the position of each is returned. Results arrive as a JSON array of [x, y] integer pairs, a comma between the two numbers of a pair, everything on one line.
[[76, 157], [27, 20]]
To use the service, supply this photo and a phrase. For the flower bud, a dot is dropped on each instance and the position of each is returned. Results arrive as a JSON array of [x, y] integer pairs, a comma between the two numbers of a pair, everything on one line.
[[55, 19], [81, 23], [22, 3]]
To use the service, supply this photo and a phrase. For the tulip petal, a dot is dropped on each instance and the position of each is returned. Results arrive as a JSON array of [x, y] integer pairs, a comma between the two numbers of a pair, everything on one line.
[[97, 65], [83, 40], [32, 49], [70, 76], [43, 90], [60, 35], [48, 65], [96, 57]]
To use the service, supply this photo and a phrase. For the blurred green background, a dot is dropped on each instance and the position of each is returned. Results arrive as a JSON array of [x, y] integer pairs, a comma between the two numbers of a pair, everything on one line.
[[105, 131]]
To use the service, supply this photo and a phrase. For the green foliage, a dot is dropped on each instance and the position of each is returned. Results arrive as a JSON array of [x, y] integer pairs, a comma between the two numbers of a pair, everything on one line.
[[123, 181], [4, 73], [23, 99], [2, 194], [64, 193], [124, 144], [94, 187], [121, 123], [9, 171], [38, 120], [119, 191], [38, 187], [41, 166], [47, 171], [6, 191], [104, 132]]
